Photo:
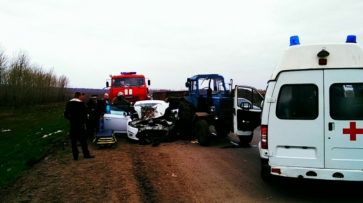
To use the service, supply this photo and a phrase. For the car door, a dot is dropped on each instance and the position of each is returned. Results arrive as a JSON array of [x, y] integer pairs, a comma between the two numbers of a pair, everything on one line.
[[343, 90], [247, 110], [116, 119]]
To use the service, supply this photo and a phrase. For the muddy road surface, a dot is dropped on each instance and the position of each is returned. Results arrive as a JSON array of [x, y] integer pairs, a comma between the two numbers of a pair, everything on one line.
[[179, 171]]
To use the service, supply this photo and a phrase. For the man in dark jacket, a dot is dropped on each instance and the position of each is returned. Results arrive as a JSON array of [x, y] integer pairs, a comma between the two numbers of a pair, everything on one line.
[[120, 99], [76, 113], [94, 109]]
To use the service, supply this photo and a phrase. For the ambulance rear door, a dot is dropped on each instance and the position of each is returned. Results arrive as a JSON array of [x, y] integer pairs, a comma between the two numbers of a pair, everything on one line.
[[343, 92], [295, 133]]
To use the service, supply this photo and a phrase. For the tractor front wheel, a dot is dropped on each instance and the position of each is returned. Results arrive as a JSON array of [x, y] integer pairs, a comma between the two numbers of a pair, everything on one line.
[[201, 132]]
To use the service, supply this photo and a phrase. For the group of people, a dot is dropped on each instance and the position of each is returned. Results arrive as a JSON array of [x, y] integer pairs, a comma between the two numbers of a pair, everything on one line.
[[95, 109], [85, 118]]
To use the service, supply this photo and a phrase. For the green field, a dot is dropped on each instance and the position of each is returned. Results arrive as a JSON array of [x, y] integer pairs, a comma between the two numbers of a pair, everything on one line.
[[28, 135]]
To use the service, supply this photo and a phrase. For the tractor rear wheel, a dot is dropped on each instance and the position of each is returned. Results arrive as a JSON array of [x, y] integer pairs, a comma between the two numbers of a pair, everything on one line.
[[201, 132]]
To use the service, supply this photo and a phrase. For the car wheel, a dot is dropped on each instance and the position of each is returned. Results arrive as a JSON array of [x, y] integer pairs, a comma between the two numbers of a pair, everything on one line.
[[201, 131], [245, 140], [131, 140]]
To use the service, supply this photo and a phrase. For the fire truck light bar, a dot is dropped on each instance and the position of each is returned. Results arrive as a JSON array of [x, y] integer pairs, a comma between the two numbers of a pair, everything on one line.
[[128, 73]]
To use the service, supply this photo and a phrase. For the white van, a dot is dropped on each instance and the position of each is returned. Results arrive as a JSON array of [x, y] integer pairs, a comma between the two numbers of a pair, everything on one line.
[[312, 117]]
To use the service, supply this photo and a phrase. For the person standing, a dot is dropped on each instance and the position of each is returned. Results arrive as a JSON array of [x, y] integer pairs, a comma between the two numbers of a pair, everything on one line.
[[94, 109], [83, 96], [76, 113], [120, 99], [105, 101], [105, 109]]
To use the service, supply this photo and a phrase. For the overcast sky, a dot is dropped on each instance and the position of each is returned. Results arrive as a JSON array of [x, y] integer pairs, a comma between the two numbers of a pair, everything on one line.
[[170, 40]]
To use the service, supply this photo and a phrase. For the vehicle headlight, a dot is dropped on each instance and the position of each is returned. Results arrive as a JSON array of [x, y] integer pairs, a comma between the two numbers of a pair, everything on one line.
[[212, 109]]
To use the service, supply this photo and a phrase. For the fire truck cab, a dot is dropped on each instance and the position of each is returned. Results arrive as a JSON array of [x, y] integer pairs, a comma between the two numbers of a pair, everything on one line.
[[312, 117], [132, 85]]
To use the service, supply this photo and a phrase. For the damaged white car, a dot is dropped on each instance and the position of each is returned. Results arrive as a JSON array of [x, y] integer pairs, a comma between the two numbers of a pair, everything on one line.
[[156, 122], [116, 118]]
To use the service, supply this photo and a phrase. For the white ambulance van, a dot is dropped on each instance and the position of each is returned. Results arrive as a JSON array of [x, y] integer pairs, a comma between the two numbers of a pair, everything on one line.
[[312, 117]]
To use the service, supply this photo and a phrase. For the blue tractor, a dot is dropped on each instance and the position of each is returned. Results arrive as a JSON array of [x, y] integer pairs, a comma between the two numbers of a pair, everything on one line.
[[209, 108]]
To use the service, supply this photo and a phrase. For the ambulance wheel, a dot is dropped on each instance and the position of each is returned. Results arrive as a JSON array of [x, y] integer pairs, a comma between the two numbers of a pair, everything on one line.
[[245, 140], [201, 132], [265, 171], [265, 175]]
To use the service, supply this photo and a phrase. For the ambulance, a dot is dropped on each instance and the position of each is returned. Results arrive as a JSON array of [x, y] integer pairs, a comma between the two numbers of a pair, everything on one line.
[[312, 117]]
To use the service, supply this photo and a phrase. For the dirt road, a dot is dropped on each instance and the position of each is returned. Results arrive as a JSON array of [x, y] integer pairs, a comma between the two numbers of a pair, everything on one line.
[[171, 172]]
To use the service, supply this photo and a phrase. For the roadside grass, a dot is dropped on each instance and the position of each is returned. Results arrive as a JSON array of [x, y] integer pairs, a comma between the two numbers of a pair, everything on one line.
[[28, 135]]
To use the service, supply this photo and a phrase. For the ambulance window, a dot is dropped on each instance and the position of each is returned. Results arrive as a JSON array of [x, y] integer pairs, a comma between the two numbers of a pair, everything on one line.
[[346, 101], [298, 102]]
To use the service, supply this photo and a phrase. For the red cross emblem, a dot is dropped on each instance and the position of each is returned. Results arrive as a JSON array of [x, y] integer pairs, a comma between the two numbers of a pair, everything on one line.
[[352, 131]]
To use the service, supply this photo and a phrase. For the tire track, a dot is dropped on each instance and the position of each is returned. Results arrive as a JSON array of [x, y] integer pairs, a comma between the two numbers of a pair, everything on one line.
[[147, 193]]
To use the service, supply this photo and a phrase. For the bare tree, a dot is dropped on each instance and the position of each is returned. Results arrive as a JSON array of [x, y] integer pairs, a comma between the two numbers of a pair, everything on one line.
[[24, 84]]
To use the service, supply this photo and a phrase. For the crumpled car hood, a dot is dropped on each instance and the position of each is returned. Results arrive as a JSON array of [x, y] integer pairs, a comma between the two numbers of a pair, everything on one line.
[[154, 122], [151, 116], [147, 110]]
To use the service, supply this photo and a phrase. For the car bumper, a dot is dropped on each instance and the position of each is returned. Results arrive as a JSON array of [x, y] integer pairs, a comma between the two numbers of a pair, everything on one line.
[[319, 173], [132, 132]]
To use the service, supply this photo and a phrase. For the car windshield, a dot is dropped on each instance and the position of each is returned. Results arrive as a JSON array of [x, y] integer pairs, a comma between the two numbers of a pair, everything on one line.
[[122, 82], [214, 84], [146, 104], [119, 109]]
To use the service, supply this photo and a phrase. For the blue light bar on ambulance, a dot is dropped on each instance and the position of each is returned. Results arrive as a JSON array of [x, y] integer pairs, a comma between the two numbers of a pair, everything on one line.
[[294, 40], [128, 73], [351, 39]]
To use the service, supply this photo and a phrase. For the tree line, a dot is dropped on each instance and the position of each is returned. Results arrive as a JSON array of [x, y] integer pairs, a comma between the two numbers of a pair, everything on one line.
[[26, 84]]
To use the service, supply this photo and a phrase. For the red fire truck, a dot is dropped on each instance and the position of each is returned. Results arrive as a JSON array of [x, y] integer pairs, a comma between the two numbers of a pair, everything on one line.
[[133, 86]]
